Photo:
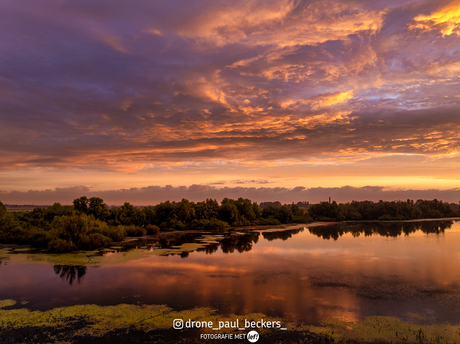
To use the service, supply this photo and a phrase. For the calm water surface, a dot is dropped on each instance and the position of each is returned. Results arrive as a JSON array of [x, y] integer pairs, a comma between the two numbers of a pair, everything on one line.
[[341, 271]]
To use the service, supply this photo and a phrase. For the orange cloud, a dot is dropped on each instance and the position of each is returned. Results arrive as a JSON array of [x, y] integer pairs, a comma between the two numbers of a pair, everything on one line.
[[447, 70], [320, 101], [446, 20], [332, 99], [227, 25], [275, 23]]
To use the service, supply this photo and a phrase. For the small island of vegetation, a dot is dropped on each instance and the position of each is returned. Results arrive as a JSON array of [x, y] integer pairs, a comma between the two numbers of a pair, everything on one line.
[[90, 224]]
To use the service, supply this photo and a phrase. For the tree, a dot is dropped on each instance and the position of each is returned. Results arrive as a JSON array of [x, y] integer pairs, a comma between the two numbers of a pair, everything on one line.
[[325, 211], [163, 211], [98, 208], [81, 204], [228, 211], [185, 211], [295, 208], [245, 208], [150, 215], [130, 215], [284, 215], [256, 209], [53, 211], [207, 210], [6, 221], [2, 208]]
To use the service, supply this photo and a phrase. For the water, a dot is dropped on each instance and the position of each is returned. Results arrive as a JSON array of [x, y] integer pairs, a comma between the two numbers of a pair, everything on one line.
[[306, 275]]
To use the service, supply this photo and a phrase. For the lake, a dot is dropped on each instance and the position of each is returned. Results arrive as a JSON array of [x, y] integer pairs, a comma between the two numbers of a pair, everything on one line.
[[308, 274], [347, 271]]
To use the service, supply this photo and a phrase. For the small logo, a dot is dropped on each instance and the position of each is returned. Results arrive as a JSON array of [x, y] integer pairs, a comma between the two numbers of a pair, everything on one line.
[[178, 324], [253, 336]]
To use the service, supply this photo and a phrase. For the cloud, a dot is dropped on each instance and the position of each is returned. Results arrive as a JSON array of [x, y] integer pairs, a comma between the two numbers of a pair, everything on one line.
[[445, 19], [326, 100], [117, 88], [279, 24], [151, 195]]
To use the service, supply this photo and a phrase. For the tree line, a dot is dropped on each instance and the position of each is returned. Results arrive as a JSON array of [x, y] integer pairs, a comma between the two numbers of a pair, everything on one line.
[[381, 211], [90, 224]]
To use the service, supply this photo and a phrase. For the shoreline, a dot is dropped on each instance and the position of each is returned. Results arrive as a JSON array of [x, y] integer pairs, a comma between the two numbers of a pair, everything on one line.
[[282, 228]]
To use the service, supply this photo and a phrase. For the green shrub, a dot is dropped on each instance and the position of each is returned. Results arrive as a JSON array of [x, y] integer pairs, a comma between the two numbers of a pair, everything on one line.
[[94, 241], [135, 231], [326, 219], [208, 225], [302, 219], [242, 222], [114, 233], [152, 229], [268, 222], [60, 246], [38, 238]]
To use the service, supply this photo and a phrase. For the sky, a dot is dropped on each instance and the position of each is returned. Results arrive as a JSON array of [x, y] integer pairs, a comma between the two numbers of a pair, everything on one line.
[[270, 100]]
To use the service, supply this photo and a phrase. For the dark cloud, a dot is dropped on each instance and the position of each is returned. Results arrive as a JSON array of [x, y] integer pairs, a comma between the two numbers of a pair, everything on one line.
[[151, 195]]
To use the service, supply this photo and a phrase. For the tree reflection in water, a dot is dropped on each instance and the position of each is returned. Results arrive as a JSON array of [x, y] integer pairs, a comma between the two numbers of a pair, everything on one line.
[[387, 229], [244, 242], [69, 272], [241, 243], [238, 242], [283, 235]]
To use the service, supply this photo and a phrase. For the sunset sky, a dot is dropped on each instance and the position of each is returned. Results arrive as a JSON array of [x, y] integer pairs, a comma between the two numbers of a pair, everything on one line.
[[271, 100]]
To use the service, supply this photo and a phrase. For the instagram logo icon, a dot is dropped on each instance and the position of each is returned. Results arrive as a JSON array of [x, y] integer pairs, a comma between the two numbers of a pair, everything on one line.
[[178, 324]]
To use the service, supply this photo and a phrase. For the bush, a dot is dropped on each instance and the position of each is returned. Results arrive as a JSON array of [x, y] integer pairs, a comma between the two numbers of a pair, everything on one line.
[[115, 233], [38, 238], [60, 246], [242, 222], [94, 241], [268, 222], [208, 225], [135, 231], [16, 235], [152, 229], [326, 219], [302, 219]]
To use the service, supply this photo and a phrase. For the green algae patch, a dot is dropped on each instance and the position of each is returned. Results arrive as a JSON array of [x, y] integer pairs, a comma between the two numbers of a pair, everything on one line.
[[120, 323], [281, 229], [23, 249], [7, 303], [94, 258], [380, 329], [106, 256], [5, 254], [187, 247], [200, 243], [96, 321], [87, 258], [100, 320], [106, 318]]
